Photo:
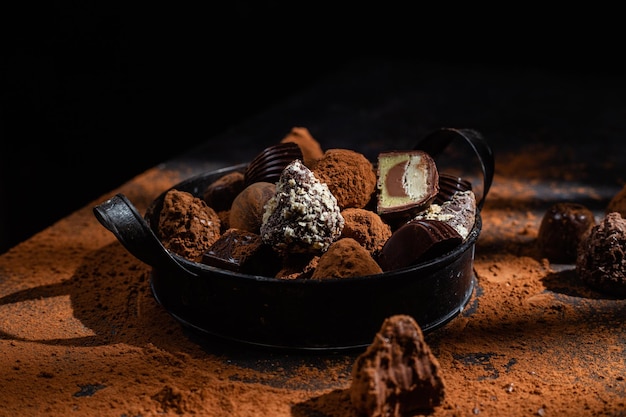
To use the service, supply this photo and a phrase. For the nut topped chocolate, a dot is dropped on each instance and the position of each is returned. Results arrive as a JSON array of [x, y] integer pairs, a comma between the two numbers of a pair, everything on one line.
[[303, 215], [408, 181]]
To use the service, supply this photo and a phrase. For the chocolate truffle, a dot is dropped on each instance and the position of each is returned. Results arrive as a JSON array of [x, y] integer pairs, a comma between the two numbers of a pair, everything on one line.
[[345, 258], [298, 266], [459, 211], [242, 251], [618, 203], [219, 195], [418, 241], [601, 258], [187, 225], [350, 177], [269, 164], [310, 147], [303, 215], [397, 375], [367, 228], [408, 181], [247, 210], [561, 230]]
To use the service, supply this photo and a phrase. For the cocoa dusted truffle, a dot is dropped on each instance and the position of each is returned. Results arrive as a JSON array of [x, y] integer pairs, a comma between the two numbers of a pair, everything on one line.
[[247, 209], [418, 241], [367, 228], [561, 231], [187, 225], [297, 266], [459, 211], [345, 258], [408, 181], [618, 203], [242, 251], [303, 215], [269, 164], [601, 258], [310, 147], [350, 177], [397, 375]]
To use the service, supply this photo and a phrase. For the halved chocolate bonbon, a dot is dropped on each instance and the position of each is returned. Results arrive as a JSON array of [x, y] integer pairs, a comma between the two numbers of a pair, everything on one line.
[[408, 182]]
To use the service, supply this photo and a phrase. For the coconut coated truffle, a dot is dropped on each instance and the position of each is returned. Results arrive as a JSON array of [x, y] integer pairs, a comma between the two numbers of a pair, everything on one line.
[[303, 215]]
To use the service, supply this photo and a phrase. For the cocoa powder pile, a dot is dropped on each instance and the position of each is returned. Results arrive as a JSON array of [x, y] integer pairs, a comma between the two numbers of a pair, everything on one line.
[[81, 334]]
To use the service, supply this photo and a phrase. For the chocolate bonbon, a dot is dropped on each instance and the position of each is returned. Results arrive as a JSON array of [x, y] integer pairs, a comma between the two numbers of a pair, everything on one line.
[[408, 181], [418, 241]]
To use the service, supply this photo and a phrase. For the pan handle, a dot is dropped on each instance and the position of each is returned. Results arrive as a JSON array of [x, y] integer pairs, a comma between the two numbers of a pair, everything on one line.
[[121, 217], [438, 140]]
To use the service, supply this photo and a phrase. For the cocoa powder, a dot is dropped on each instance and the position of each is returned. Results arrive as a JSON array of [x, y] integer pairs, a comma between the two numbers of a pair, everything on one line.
[[81, 334]]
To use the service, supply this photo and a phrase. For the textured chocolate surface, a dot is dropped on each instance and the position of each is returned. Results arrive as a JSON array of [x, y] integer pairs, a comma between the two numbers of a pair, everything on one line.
[[450, 184], [397, 375], [418, 241], [459, 211], [303, 215], [408, 181], [269, 163], [601, 259]]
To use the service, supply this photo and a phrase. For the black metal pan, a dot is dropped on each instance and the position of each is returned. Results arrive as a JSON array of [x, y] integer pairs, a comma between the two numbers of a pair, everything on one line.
[[330, 314]]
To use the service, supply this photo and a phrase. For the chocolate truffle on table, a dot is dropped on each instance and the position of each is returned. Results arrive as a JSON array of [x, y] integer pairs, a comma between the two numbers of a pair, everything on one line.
[[310, 147], [397, 375], [562, 227], [219, 195], [187, 225], [242, 251], [601, 256], [408, 181], [303, 215], [417, 241], [350, 177], [366, 227], [459, 212], [247, 210], [345, 258]]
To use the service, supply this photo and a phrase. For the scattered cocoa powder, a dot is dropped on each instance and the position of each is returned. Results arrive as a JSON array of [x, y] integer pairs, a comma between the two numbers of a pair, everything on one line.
[[81, 334]]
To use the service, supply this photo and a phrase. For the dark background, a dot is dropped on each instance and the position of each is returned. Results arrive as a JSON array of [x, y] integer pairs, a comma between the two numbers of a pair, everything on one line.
[[94, 94]]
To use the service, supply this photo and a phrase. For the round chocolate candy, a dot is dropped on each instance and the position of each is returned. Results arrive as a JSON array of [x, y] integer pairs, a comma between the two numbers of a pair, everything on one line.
[[561, 230]]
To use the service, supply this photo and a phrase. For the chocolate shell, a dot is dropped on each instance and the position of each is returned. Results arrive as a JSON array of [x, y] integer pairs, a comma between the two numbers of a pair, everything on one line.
[[408, 182], [269, 164], [418, 241], [450, 184]]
